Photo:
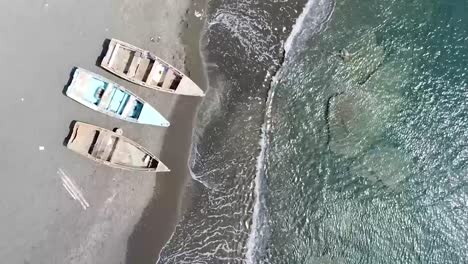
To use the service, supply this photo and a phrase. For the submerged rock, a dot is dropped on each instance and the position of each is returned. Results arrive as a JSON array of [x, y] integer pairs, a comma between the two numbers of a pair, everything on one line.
[[362, 57], [382, 164], [358, 119], [353, 123], [358, 115]]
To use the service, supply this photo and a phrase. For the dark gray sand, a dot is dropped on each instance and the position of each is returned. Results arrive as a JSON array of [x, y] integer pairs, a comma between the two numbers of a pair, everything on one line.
[[41, 41], [160, 217]]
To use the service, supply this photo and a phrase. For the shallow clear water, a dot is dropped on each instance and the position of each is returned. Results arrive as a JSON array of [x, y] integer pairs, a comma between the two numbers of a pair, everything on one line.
[[364, 149], [367, 156]]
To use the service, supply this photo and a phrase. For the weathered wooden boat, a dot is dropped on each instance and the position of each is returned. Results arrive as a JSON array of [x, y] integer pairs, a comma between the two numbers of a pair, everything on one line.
[[144, 68], [112, 149], [102, 95]]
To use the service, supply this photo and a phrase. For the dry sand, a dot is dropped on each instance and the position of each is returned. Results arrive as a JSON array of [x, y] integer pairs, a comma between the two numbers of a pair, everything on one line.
[[40, 43]]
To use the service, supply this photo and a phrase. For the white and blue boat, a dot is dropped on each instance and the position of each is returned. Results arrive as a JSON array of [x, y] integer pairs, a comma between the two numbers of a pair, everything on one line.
[[105, 96]]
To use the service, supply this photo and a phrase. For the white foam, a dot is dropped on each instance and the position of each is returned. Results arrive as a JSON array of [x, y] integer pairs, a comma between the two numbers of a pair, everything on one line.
[[252, 242], [256, 229], [313, 19], [298, 26], [259, 176]]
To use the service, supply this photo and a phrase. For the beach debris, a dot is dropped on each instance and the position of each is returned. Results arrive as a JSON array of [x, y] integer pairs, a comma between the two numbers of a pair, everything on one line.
[[72, 189], [198, 14], [111, 198], [41, 148], [152, 39]]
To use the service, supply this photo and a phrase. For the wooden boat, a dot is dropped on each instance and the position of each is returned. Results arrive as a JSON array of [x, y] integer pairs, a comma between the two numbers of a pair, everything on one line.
[[102, 95], [144, 68], [112, 149]]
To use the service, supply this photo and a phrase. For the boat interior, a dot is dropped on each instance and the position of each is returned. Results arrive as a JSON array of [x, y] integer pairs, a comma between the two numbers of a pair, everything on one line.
[[107, 97], [117, 151], [109, 147], [141, 66]]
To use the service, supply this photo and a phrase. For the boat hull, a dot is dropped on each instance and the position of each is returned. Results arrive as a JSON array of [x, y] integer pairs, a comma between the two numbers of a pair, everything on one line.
[[112, 149], [146, 69], [107, 97]]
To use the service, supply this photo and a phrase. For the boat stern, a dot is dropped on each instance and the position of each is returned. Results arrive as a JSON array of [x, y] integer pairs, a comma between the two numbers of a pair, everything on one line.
[[74, 83], [83, 87]]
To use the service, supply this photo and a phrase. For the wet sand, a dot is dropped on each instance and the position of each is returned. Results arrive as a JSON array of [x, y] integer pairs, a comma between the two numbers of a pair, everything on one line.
[[41, 223], [163, 212]]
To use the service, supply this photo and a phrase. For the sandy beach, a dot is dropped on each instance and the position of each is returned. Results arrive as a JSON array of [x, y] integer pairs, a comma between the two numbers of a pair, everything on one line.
[[130, 215]]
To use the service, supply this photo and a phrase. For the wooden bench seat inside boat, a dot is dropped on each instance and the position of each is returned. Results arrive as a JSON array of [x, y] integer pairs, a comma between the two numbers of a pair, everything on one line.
[[168, 79]]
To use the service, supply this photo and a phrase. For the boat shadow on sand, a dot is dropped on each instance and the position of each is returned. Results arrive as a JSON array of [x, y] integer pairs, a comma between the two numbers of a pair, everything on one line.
[[70, 132], [69, 81], [105, 47]]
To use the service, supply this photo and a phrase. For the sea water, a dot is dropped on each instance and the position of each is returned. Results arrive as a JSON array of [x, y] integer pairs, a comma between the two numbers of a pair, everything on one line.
[[368, 154], [349, 147]]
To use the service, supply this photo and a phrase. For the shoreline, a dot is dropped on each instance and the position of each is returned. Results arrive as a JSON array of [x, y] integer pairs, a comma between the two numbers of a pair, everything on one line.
[[240, 54], [170, 199]]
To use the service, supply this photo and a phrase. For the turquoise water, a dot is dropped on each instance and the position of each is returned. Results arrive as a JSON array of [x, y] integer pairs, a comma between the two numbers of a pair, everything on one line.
[[367, 157], [362, 158]]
